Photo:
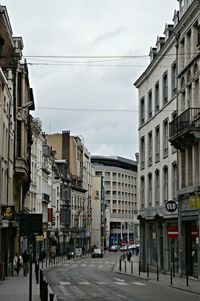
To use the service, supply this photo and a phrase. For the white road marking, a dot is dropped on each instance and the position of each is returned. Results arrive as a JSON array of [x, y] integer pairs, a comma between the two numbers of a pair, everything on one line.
[[121, 283], [84, 283], [100, 266], [118, 279], [65, 283], [139, 283]]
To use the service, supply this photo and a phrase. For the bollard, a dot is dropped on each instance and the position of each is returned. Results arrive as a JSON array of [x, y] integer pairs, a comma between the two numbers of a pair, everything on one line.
[[44, 290], [120, 264], [139, 268], [37, 272], [41, 280], [125, 265], [51, 297], [171, 275], [157, 272], [187, 278], [147, 270], [131, 266]]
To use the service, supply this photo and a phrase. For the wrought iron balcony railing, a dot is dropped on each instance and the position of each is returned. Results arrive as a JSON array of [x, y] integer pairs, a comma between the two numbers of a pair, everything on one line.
[[189, 119]]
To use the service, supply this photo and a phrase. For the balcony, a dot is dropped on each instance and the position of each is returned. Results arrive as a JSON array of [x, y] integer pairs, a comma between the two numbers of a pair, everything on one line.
[[184, 130], [45, 198]]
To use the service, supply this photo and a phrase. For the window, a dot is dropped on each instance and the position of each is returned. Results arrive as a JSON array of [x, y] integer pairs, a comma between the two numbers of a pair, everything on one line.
[[157, 187], [165, 138], [150, 148], [165, 88], [150, 104], [18, 146], [98, 173], [165, 183], [174, 180], [150, 189], [157, 95], [142, 192], [142, 111], [173, 79], [157, 144], [142, 152]]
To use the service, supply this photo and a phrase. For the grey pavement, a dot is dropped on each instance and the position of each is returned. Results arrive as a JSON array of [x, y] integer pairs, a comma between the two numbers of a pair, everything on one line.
[[15, 288], [177, 282]]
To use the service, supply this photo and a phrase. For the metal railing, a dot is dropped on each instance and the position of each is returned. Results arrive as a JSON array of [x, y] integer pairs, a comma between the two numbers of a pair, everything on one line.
[[189, 118]]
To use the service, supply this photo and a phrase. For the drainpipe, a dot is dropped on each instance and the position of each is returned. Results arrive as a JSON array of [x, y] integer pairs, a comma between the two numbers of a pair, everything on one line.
[[181, 253]]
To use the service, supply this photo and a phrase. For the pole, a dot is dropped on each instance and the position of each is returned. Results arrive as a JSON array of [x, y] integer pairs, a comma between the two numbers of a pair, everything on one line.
[[30, 271]]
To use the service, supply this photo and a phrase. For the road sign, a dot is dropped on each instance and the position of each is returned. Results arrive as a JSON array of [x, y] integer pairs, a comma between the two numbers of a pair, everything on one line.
[[172, 232], [171, 206]]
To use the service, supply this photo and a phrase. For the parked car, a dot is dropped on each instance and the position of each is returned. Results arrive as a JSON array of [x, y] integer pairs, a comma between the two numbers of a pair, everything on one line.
[[114, 248], [97, 252]]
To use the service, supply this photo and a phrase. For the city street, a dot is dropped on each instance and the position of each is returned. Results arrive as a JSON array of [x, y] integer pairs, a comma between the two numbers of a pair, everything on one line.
[[94, 279]]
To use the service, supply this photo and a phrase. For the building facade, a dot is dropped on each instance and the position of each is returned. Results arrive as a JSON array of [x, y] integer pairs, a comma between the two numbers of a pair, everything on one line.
[[184, 134], [164, 93], [119, 198]]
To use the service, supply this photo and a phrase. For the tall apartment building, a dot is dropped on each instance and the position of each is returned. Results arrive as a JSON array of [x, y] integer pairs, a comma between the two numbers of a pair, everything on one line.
[[184, 134], [168, 87], [72, 149], [119, 198], [16, 102]]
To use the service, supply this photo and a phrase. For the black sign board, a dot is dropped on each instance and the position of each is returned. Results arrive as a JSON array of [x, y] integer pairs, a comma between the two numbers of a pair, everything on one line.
[[171, 206], [30, 224]]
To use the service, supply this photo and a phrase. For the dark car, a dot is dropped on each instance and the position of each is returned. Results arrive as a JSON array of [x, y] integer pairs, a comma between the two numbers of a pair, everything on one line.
[[97, 252]]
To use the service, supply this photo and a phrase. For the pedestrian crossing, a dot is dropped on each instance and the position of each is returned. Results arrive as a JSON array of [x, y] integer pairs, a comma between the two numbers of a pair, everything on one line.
[[115, 281], [92, 264], [80, 289]]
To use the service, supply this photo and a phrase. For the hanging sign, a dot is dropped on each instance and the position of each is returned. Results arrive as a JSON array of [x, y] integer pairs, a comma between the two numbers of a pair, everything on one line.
[[171, 206]]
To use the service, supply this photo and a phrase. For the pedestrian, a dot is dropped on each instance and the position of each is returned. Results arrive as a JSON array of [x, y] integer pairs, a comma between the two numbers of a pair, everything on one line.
[[17, 263], [26, 259]]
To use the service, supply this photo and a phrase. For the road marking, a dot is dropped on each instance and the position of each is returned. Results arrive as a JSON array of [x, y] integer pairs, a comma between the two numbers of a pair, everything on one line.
[[100, 266], [65, 283], [84, 283], [139, 283], [118, 279], [100, 283], [91, 265], [121, 283]]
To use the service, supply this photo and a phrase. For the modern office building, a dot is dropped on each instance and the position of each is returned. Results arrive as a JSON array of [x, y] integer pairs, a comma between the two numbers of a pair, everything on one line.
[[119, 198]]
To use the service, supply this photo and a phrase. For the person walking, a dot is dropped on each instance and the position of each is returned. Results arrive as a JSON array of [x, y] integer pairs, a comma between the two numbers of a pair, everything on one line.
[[17, 263], [26, 258]]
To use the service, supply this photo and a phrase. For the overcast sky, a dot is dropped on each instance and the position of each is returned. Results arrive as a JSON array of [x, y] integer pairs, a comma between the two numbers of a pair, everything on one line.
[[92, 96]]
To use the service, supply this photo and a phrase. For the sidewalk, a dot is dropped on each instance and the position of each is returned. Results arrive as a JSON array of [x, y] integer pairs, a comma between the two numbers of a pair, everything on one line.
[[15, 288], [164, 279]]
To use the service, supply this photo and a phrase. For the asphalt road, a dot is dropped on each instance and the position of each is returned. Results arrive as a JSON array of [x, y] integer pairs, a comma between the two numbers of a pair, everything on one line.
[[93, 279]]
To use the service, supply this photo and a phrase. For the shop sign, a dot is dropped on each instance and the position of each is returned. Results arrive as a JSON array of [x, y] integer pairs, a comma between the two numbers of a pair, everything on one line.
[[172, 232], [194, 202], [171, 206], [8, 212]]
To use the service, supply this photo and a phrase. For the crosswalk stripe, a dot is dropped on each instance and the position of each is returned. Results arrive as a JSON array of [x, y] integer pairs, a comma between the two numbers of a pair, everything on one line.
[[65, 283], [118, 279], [121, 283], [84, 283], [139, 283]]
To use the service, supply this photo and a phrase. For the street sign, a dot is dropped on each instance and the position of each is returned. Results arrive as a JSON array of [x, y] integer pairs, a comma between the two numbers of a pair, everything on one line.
[[172, 232], [171, 206]]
